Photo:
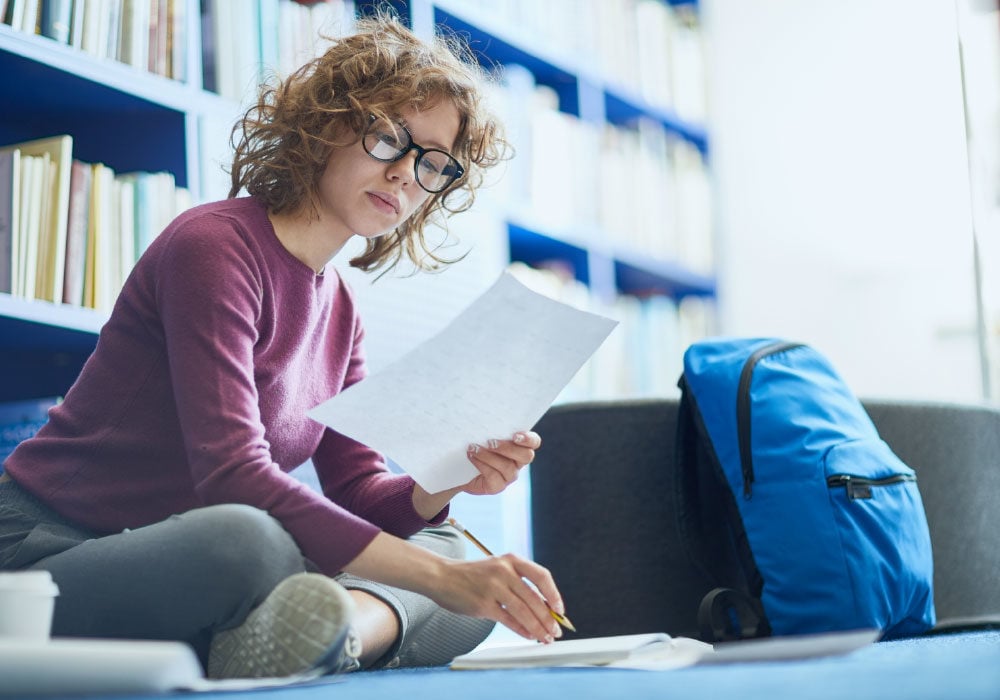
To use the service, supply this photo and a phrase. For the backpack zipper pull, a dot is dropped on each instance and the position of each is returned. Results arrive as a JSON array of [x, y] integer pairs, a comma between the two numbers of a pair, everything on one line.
[[855, 488]]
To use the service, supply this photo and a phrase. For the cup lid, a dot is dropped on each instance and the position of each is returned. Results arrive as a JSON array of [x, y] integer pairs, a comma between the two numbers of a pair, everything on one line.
[[28, 582]]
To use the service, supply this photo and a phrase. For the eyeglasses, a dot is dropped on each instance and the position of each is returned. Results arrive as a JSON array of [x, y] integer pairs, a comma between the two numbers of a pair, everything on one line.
[[388, 142]]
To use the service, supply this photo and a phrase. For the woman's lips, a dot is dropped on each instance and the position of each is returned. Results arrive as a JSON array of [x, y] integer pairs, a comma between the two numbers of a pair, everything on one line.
[[384, 202]]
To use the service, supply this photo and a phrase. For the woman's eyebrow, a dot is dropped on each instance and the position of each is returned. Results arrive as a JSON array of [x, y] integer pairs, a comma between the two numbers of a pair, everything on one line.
[[422, 142]]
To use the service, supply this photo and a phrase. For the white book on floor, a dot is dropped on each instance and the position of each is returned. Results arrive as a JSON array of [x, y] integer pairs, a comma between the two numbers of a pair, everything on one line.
[[95, 666], [64, 666]]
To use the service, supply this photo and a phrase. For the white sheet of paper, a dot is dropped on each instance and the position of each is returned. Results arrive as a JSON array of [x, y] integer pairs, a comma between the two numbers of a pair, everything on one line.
[[494, 370]]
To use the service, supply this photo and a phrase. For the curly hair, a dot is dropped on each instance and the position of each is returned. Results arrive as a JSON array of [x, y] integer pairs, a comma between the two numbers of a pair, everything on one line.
[[282, 143]]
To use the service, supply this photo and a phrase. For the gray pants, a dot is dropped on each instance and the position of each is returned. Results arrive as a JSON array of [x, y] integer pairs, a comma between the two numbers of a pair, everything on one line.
[[200, 572]]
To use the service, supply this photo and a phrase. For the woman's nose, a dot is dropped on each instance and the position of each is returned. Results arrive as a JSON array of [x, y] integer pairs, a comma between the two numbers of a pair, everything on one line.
[[403, 169]]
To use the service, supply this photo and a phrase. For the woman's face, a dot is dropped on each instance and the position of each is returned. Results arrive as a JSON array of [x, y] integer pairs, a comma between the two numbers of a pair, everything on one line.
[[362, 196]]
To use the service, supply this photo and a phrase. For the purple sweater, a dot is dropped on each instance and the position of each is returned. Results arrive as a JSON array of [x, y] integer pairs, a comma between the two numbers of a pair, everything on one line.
[[197, 394]]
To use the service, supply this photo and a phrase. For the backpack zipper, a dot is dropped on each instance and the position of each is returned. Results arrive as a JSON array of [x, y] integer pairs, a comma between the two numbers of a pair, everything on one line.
[[860, 487], [743, 408]]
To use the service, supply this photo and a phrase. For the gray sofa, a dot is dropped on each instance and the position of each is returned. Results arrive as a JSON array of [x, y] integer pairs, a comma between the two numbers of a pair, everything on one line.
[[600, 524]]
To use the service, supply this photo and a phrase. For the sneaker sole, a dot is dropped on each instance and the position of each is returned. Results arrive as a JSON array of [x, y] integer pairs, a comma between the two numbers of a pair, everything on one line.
[[302, 624]]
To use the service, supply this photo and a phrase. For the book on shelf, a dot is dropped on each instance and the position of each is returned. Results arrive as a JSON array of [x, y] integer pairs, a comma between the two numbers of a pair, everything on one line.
[[90, 28], [97, 278], [10, 189], [70, 232], [56, 19], [20, 420], [160, 31], [54, 172], [76, 25], [76, 233], [135, 35], [33, 170]]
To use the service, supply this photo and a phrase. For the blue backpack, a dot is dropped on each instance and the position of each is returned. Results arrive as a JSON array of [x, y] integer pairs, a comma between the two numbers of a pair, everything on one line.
[[804, 518]]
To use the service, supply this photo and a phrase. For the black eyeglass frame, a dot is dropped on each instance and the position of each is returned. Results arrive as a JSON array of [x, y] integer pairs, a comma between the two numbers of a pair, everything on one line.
[[421, 151]]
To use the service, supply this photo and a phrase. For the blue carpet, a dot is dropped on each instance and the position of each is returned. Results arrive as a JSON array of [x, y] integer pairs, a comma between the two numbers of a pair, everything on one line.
[[963, 666]]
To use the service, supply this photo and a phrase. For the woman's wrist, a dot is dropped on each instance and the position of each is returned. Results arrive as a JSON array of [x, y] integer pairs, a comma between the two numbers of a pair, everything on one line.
[[429, 505], [399, 563]]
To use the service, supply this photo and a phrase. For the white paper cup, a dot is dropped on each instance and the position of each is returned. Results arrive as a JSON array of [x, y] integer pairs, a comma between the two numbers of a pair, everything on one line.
[[27, 599]]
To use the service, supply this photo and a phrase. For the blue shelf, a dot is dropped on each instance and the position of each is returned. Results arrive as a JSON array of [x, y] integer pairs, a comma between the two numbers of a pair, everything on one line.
[[652, 278], [44, 346], [634, 273], [622, 107], [540, 250], [493, 49], [66, 91]]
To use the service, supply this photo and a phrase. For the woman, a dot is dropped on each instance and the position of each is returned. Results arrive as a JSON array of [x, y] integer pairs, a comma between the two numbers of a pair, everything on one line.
[[158, 493]]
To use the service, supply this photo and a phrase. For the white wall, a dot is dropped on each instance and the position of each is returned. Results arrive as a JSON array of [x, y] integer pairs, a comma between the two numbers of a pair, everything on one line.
[[840, 159]]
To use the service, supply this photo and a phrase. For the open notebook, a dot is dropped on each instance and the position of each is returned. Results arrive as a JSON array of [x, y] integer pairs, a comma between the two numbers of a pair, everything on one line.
[[659, 651]]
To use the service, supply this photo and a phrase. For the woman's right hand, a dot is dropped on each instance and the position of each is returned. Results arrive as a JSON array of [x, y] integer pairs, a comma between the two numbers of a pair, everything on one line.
[[498, 588], [509, 589]]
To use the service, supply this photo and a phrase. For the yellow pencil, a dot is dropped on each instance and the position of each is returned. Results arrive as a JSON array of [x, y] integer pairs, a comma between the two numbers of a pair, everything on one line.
[[561, 619]]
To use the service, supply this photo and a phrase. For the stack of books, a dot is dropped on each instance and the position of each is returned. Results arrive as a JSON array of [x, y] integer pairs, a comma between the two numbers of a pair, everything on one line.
[[70, 232]]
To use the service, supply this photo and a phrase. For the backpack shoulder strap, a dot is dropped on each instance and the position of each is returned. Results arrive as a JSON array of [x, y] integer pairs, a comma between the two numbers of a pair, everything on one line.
[[709, 523]]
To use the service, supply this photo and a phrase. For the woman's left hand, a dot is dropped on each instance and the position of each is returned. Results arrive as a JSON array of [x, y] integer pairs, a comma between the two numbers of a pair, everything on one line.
[[500, 461]]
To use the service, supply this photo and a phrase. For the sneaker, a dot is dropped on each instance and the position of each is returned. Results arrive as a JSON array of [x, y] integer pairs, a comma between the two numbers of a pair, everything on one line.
[[303, 626]]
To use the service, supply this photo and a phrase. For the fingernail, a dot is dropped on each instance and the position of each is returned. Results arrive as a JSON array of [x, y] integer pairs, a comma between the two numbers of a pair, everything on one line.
[[473, 449], [494, 444], [520, 437], [549, 639]]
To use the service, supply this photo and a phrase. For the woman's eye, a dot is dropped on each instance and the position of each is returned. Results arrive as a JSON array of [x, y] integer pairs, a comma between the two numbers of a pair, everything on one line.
[[427, 165], [389, 139]]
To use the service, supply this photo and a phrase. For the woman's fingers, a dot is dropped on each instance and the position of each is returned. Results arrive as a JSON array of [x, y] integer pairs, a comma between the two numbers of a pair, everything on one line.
[[511, 623], [510, 590], [532, 587], [519, 449], [495, 472], [528, 609], [500, 461]]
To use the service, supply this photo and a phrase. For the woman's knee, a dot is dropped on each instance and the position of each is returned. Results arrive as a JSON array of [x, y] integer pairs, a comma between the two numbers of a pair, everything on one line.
[[242, 541], [444, 540]]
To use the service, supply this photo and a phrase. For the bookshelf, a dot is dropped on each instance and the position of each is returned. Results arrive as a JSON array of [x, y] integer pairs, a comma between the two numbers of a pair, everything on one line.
[[128, 118], [136, 119]]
